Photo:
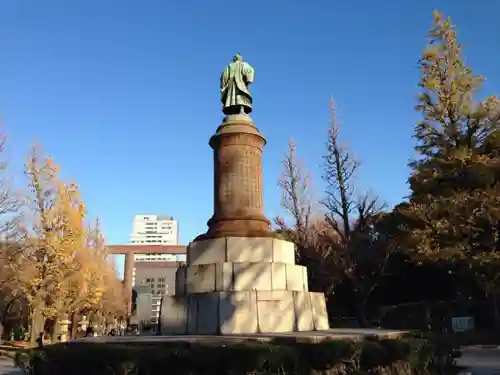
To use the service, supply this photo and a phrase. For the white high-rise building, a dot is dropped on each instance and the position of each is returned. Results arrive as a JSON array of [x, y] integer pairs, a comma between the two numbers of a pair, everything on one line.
[[154, 230], [154, 273]]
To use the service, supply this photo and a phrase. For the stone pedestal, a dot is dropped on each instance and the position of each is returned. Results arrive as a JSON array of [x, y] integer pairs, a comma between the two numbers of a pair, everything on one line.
[[95, 329], [64, 330], [83, 323], [238, 203], [240, 278], [242, 285]]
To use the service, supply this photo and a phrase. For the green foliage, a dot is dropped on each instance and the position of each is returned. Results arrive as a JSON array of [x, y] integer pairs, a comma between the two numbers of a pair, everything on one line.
[[444, 243], [454, 208], [415, 355]]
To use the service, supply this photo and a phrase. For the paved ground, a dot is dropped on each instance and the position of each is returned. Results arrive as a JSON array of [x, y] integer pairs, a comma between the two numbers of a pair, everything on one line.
[[481, 361], [7, 368], [309, 336]]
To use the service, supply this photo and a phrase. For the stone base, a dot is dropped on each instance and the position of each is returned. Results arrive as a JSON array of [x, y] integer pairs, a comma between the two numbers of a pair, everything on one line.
[[247, 227], [244, 312], [244, 276], [242, 285], [238, 249]]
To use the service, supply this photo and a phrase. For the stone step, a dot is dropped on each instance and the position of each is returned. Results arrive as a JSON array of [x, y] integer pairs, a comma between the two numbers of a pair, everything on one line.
[[240, 249], [261, 276], [244, 312]]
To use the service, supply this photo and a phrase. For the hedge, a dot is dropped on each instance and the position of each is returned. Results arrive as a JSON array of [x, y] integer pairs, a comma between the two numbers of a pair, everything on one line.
[[372, 356]]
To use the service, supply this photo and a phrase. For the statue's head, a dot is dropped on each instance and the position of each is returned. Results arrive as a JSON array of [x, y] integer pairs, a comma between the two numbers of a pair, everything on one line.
[[237, 57]]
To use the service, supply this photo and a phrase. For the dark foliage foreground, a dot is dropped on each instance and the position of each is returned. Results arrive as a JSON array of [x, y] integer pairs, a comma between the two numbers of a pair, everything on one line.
[[372, 356]]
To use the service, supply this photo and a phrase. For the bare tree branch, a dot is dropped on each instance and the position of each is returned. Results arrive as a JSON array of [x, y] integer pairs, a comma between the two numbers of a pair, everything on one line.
[[353, 219], [296, 198], [339, 169]]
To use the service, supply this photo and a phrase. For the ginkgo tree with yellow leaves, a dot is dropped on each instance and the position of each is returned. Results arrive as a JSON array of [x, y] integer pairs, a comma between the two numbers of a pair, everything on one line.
[[454, 209], [63, 267], [91, 280], [50, 236]]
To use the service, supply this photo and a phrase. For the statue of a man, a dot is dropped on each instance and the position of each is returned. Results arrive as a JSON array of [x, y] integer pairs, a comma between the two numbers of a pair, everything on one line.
[[234, 82]]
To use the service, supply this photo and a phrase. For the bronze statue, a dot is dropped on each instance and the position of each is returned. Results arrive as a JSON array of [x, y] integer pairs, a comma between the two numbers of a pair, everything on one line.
[[235, 95]]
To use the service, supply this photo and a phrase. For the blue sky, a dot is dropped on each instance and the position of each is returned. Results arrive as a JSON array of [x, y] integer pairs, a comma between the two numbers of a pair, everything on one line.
[[124, 94]]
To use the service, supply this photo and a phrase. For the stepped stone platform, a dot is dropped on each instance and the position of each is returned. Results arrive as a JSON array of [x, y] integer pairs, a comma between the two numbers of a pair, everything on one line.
[[288, 337], [241, 285]]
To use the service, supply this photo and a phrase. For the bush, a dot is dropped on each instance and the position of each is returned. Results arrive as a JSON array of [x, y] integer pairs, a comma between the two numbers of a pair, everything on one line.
[[405, 356], [478, 337]]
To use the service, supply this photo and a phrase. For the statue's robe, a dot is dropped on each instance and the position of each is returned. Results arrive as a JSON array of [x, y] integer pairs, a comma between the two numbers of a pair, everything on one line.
[[234, 87]]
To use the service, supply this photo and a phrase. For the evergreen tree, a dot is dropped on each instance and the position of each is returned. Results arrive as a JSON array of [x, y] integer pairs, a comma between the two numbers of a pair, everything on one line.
[[454, 209]]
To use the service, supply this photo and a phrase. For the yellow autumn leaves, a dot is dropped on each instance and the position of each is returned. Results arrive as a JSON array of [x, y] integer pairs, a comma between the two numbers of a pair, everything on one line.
[[61, 266], [455, 179]]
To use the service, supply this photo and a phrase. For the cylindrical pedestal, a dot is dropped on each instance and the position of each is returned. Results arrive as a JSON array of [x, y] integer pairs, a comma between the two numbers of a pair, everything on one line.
[[238, 201]]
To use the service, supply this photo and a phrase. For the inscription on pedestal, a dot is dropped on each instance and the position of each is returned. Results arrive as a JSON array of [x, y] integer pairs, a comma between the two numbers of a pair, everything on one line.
[[240, 190], [238, 202]]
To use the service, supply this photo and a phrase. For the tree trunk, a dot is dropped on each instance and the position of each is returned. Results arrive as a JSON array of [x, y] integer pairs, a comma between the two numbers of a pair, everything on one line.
[[37, 325], [74, 328], [362, 318], [56, 331], [4, 314], [496, 313], [361, 309]]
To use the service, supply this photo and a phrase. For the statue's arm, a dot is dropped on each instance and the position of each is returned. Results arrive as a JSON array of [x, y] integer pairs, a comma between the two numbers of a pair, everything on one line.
[[224, 79], [249, 74]]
